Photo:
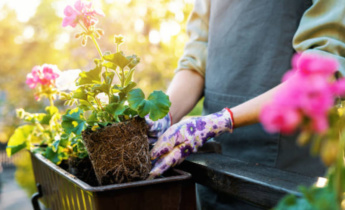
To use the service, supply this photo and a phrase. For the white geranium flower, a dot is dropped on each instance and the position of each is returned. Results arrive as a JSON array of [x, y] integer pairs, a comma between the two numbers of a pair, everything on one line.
[[67, 79], [103, 98]]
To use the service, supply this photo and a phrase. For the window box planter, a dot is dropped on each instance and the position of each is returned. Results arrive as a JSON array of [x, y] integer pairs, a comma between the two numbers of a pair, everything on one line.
[[59, 189]]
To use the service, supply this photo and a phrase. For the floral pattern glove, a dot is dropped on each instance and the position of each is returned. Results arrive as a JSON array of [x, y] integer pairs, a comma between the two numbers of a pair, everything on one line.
[[186, 137], [157, 128]]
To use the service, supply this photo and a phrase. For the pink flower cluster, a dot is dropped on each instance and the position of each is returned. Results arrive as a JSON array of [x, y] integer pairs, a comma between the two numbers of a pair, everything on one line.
[[308, 92], [44, 75], [83, 12]]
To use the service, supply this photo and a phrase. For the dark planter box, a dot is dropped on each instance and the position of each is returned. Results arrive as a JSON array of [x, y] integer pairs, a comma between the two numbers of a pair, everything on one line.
[[61, 190]]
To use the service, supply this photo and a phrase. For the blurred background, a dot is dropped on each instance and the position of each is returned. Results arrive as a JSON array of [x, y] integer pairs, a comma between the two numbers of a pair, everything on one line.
[[31, 34]]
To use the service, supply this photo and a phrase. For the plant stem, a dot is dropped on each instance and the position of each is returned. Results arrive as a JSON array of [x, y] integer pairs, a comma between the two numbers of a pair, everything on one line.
[[99, 103], [339, 167], [97, 46], [123, 78], [51, 100]]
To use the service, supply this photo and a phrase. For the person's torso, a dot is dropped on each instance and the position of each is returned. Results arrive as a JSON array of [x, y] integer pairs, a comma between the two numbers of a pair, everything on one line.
[[249, 50]]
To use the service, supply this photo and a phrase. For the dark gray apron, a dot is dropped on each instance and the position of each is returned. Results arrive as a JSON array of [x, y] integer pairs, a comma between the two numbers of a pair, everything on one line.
[[249, 50]]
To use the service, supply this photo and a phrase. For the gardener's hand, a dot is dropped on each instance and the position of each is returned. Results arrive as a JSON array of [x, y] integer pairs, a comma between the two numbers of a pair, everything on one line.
[[186, 137], [157, 128]]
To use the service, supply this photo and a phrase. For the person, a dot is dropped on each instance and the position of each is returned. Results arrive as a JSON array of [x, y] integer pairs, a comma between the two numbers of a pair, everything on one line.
[[236, 56]]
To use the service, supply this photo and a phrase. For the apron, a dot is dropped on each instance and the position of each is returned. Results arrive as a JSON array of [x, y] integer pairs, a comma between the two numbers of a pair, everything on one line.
[[249, 50]]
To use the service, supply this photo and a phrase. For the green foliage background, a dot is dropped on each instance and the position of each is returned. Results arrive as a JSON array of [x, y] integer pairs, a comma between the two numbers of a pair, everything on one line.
[[53, 44]]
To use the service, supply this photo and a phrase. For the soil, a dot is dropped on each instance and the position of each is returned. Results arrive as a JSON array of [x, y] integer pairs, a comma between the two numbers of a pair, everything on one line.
[[82, 169], [120, 152]]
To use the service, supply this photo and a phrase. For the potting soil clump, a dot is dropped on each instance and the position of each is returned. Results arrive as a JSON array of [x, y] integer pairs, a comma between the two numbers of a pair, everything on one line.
[[120, 152]]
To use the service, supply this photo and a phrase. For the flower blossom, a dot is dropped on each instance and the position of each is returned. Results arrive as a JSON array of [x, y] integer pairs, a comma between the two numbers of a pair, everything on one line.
[[83, 12], [44, 75], [309, 92], [67, 79]]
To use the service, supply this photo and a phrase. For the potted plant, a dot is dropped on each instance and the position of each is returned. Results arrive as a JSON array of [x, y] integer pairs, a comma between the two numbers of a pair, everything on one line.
[[110, 110], [42, 132], [108, 118]]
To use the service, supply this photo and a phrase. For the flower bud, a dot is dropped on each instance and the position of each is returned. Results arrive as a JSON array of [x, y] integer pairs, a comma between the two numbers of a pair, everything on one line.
[[20, 113], [78, 35], [119, 39], [100, 32], [304, 138], [97, 35], [84, 41], [329, 152]]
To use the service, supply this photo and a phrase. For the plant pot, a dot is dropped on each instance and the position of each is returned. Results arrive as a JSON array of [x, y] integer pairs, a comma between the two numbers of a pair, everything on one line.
[[82, 169], [61, 190], [120, 152]]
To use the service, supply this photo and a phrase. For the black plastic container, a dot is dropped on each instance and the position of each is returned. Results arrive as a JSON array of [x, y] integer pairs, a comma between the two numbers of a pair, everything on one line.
[[59, 189]]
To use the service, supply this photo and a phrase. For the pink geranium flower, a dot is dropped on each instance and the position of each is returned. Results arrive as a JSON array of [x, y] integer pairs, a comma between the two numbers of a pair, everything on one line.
[[309, 92], [33, 78], [338, 88], [280, 119], [44, 75], [82, 11], [317, 97], [49, 74], [317, 64], [71, 17]]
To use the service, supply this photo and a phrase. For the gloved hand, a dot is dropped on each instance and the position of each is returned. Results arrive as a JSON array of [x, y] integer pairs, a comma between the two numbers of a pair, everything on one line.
[[186, 137], [157, 128]]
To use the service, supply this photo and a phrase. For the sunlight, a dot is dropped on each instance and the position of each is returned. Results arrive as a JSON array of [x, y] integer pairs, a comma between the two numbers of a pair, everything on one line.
[[154, 37], [321, 182], [24, 9]]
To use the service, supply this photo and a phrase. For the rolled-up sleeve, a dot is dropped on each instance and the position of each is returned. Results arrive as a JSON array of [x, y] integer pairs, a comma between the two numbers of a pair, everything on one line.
[[195, 52], [322, 30]]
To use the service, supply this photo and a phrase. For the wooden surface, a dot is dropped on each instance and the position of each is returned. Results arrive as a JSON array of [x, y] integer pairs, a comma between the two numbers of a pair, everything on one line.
[[261, 185]]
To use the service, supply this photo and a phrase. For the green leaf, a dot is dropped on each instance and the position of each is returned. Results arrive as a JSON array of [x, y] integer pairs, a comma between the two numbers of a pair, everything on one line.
[[124, 90], [118, 59], [129, 76], [101, 88], [55, 156], [108, 77], [80, 93], [84, 105], [114, 99], [157, 104], [116, 109], [73, 121], [97, 61], [90, 77], [92, 118], [64, 140], [55, 145], [134, 61], [110, 65], [19, 139]]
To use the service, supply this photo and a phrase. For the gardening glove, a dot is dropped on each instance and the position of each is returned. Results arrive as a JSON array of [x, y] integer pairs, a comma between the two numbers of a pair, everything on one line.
[[186, 137], [157, 128]]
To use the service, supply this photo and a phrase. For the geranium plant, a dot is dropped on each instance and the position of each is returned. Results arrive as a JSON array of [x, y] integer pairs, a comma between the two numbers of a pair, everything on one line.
[[310, 102], [106, 91], [109, 109], [42, 132]]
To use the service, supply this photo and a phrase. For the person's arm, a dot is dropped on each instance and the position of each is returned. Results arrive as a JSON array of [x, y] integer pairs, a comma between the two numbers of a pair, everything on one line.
[[322, 31], [248, 112], [187, 85], [184, 92]]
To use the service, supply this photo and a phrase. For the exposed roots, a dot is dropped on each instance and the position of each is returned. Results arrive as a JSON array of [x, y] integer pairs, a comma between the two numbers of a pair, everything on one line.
[[119, 153]]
